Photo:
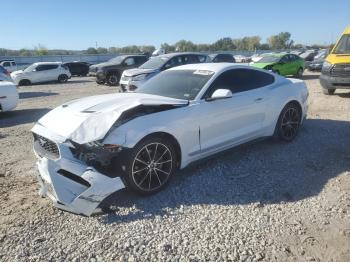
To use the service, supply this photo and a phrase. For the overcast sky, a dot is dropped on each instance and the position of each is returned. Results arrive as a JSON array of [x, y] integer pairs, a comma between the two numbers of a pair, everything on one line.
[[79, 24]]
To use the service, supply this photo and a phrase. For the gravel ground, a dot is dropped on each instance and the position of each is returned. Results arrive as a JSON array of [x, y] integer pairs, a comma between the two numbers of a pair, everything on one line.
[[264, 201]]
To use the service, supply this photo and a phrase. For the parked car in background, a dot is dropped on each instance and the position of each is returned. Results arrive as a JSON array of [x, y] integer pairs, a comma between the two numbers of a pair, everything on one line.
[[41, 72], [8, 96], [241, 59], [335, 72], [316, 65], [9, 65], [322, 54], [110, 73], [159, 51], [5, 75], [256, 57], [221, 58], [139, 140], [282, 64], [134, 78], [78, 68], [309, 55]]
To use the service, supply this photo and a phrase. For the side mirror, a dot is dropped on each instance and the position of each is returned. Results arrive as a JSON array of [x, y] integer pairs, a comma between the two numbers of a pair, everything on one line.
[[220, 94]]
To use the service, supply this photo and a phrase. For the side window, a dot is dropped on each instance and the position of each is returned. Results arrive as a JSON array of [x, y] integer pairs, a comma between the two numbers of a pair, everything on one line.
[[13, 63], [202, 58], [129, 61], [142, 59], [40, 68], [175, 61], [45, 67], [240, 80], [190, 59], [229, 58], [7, 64], [284, 59]]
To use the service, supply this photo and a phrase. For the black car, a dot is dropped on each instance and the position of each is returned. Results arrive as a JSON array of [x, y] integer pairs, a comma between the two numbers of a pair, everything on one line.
[[78, 68], [221, 58], [111, 71]]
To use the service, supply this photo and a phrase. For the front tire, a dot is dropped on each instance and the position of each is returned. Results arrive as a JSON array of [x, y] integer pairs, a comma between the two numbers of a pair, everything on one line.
[[299, 73], [24, 82], [328, 91], [288, 123], [62, 78], [150, 165], [113, 79]]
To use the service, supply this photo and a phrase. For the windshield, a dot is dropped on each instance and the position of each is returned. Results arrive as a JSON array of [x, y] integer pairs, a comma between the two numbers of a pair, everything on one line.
[[154, 63], [269, 59], [30, 68], [180, 84], [343, 46], [116, 60]]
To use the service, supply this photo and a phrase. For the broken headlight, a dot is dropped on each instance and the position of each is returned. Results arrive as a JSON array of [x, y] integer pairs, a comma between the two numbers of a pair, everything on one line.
[[96, 153]]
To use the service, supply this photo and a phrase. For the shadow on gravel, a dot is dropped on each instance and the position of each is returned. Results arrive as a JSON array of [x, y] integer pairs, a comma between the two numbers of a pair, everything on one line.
[[22, 116], [24, 95], [262, 173], [344, 95], [70, 81], [310, 77]]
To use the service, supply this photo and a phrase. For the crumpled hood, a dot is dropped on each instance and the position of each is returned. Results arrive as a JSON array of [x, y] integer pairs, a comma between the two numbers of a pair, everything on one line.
[[139, 71], [89, 119]]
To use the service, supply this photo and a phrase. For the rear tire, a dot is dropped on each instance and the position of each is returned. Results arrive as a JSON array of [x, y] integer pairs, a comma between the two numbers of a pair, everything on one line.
[[288, 123], [112, 79], [62, 78], [24, 82], [328, 91], [150, 165]]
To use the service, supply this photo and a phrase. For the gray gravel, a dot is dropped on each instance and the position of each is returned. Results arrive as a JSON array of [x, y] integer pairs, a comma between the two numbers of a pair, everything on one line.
[[265, 201]]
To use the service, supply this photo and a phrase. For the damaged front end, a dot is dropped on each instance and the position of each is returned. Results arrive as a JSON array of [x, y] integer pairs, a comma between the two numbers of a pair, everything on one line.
[[77, 170], [77, 177]]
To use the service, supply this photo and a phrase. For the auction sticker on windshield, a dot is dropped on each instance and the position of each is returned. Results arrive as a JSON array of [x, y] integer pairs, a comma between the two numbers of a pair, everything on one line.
[[203, 72]]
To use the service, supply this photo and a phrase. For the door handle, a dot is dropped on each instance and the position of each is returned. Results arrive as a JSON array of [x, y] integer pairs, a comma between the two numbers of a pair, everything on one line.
[[258, 100]]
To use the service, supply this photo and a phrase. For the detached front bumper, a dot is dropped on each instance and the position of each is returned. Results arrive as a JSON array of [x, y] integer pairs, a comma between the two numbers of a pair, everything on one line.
[[70, 183], [74, 187]]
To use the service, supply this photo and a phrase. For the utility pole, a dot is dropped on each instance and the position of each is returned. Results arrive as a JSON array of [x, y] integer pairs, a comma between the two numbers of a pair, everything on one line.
[[96, 44]]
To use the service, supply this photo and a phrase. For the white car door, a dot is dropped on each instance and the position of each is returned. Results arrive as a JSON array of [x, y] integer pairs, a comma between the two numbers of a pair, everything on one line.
[[231, 121], [46, 72]]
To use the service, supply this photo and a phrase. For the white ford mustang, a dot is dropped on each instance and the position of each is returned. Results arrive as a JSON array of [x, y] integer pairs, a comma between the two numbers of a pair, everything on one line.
[[91, 147]]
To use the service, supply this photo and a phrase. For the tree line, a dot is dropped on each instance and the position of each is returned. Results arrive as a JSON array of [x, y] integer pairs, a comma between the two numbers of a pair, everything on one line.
[[249, 43]]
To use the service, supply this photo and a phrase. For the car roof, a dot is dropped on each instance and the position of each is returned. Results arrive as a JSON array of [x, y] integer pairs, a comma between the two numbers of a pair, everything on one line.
[[170, 55], [6, 60], [48, 63], [216, 54]]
